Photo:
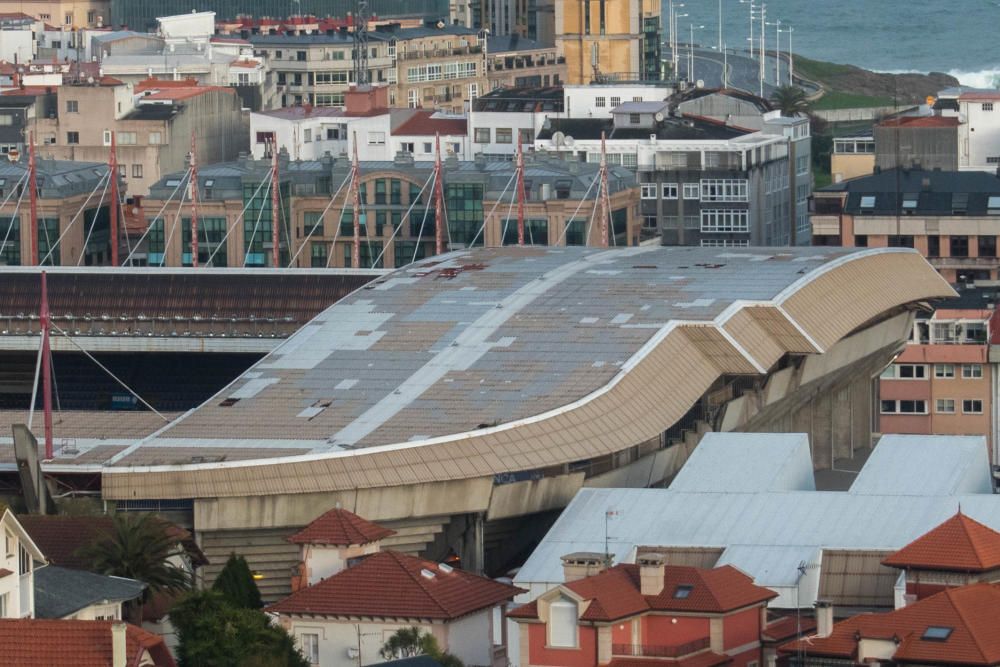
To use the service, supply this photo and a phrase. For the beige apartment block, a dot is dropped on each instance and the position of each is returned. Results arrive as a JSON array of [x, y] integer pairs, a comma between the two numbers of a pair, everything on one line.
[[63, 13]]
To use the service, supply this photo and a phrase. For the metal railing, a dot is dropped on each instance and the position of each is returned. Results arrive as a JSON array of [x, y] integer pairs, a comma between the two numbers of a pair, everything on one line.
[[653, 651]]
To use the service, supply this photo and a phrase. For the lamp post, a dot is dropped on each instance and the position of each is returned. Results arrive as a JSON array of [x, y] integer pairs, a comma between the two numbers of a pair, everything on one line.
[[753, 7], [791, 57], [720, 25], [777, 53], [690, 71], [672, 20]]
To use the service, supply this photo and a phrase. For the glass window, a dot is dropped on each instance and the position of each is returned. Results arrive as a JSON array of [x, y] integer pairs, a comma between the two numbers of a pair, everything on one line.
[[692, 191], [972, 406], [72, 137], [310, 647], [464, 204], [945, 406], [505, 135], [482, 135], [648, 190], [575, 232], [72, 106], [670, 191], [944, 370], [683, 592], [317, 255], [972, 371]]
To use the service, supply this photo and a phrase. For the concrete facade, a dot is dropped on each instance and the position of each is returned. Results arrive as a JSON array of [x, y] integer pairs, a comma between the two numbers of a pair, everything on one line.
[[609, 40]]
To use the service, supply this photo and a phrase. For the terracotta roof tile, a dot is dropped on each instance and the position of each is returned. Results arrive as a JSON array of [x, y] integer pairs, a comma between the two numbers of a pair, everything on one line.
[[959, 544], [423, 123], [699, 660], [389, 584], [58, 643], [339, 527], [5, 573], [969, 612]]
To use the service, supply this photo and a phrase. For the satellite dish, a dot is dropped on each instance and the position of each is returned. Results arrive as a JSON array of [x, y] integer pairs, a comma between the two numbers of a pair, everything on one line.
[[658, 116], [700, 83], [440, 25], [558, 138], [569, 141]]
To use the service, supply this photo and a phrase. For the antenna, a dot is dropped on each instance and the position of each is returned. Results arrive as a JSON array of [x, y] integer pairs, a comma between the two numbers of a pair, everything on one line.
[[607, 550], [361, 43]]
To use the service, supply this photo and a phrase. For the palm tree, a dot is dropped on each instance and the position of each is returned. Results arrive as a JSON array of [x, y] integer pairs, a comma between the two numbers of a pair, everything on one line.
[[790, 100], [139, 547]]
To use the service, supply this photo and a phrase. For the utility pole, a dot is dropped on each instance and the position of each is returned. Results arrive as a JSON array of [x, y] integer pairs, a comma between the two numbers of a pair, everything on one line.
[[356, 201], [33, 199], [113, 175], [275, 212], [520, 193], [438, 199], [193, 184], [44, 322]]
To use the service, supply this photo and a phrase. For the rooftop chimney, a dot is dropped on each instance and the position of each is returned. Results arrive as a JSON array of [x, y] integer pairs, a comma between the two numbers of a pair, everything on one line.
[[118, 656], [581, 565], [362, 99], [824, 618], [651, 570]]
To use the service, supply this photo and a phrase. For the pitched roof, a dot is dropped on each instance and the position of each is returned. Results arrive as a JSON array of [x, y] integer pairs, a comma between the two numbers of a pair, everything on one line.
[[60, 591], [339, 527], [615, 593], [968, 612], [389, 584], [427, 123], [56, 643], [959, 544]]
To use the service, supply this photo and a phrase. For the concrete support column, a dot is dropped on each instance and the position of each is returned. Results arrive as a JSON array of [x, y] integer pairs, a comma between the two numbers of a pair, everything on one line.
[[715, 636], [603, 644]]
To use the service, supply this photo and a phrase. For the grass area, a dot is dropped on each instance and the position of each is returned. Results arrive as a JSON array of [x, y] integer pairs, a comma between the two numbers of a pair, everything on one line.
[[817, 70], [838, 99], [821, 176]]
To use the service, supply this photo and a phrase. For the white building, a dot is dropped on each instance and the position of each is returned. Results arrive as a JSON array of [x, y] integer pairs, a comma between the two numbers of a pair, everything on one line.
[[350, 597], [18, 561], [597, 100], [978, 129]]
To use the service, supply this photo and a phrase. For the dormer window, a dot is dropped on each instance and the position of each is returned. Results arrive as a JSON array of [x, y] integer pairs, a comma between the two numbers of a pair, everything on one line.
[[562, 624], [937, 633], [683, 591], [868, 201]]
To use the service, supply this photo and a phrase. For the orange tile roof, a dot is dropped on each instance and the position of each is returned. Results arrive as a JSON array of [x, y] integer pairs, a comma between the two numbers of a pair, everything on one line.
[[253, 64], [389, 584], [959, 544], [58, 643], [340, 528], [970, 612], [5, 573], [422, 123], [615, 593], [921, 121], [153, 82]]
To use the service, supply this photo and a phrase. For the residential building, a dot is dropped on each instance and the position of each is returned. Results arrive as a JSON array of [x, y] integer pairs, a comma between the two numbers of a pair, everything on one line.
[[519, 62], [923, 141], [603, 41], [597, 100], [18, 110], [438, 67], [80, 595], [942, 382], [646, 610], [62, 643], [18, 563], [951, 217], [853, 156], [959, 552], [18, 40], [703, 182], [69, 14], [504, 116], [953, 627], [106, 43], [396, 198], [978, 129], [153, 125], [356, 596]]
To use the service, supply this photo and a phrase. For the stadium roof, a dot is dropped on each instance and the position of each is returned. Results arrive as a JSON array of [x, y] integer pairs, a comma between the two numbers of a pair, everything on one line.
[[772, 532], [502, 360]]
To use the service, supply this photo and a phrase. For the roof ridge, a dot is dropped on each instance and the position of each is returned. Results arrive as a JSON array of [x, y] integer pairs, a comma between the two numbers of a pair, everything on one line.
[[975, 639], [398, 556], [968, 522]]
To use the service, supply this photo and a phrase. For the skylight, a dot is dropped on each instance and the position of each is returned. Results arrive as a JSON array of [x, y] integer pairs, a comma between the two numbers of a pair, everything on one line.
[[937, 633], [993, 205], [910, 200], [682, 592], [868, 201]]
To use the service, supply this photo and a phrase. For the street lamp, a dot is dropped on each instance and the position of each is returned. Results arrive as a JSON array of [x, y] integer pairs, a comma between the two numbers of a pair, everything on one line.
[[720, 25], [672, 20], [690, 71], [777, 53], [791, 56], [753, 8]]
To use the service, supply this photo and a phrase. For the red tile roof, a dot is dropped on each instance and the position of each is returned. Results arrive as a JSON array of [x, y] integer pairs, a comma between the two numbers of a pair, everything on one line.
[[184, 93], [5, 573], [921, 121], [959, 544], [389, 584], [340, 528], [422, 123], [158, 84], [252, 64], [970, 612], [788, 627], [57, 643], [615, 593]]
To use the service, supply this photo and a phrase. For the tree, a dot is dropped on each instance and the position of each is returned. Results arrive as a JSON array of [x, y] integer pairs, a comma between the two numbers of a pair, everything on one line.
[[790, 100], [236, 583], [409, 642], [212, 631]]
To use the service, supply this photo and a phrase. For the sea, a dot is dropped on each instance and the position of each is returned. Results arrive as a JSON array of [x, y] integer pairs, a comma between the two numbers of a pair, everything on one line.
[[957, 37]]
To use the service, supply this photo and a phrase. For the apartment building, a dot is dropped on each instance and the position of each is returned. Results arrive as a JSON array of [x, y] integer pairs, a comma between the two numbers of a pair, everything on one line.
[[518, 62], [153, 124], [853, 156], [943, 383], [616, 41], [398, 219], [702, 182], [70, 14], [504, 115], [951, 217], [438, 67]]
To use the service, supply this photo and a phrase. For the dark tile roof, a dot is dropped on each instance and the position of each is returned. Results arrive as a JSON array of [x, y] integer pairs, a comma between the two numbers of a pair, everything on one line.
[[498, 44], [549, 98], [60, 591], [672, 128], [937, 192]]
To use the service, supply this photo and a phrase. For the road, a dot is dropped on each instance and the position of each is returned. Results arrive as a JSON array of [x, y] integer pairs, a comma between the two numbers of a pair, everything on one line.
[[744, 72]]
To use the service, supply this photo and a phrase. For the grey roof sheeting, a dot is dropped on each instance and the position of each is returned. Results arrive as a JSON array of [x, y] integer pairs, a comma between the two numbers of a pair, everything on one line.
[[671, 128], [934, 193], [61, 591], [56, 178]]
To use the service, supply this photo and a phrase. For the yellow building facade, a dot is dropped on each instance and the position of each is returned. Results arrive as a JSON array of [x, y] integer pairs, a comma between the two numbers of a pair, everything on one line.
[[609, 39]]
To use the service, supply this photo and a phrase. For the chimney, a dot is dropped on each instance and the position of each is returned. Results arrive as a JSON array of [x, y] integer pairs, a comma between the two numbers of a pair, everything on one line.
[[652, 568], [581, 565], [824, 618], [118, 653]]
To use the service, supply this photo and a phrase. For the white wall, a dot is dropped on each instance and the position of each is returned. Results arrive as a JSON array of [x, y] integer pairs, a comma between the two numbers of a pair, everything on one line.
[[98, 611], [516, 121], [290, 134], [336, 638], [581, 101], [979, 137], [470, 638], [17, 46], [196, 25]]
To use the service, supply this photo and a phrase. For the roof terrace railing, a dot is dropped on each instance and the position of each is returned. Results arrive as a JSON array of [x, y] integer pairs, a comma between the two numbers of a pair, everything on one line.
[[654, 651]]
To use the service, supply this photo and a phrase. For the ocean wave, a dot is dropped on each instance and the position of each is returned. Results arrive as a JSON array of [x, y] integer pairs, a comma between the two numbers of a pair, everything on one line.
[[987, 78]]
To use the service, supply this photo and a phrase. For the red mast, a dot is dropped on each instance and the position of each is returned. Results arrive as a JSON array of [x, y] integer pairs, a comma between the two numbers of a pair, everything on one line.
[[356, 201], [113, 175], [605, 202], [438, 199], [520, 193], [43, 321], [193, 184], [275, 210], [33, 198]]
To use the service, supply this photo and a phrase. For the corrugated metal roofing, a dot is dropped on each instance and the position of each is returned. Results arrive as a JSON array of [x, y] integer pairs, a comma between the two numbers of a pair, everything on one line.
[[748, 463]]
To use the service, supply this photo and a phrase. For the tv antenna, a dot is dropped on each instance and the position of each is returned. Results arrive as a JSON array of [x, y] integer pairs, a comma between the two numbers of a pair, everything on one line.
[[361, 43]]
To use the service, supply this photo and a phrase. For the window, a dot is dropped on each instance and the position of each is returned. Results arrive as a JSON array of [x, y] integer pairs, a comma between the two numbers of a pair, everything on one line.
[[527, 136], [972, 371], [406, 147], [616, 102], [725, 190], [634, 119], [987, 106], [648, 191], [72, 137], [575, 231], [933, 246], [888, 407], [307, 136], [310, 647], [136, 171], [482, 135], [376, 138], [937, 633], [868, 202], [959, 246], [3, 605], [670, 191], [911, 371], [944, 371], [562, 624], [155, 138], [725, 220], [683, 591], [23, 560], [911, 407], [691, 191], [72, 106], [600, 102], [505, 135], [987, 246], [945, 406], [972, 406]]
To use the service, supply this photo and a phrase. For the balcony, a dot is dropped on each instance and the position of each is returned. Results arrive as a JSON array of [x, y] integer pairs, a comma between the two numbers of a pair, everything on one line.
[[654, 651], [439, 53]]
